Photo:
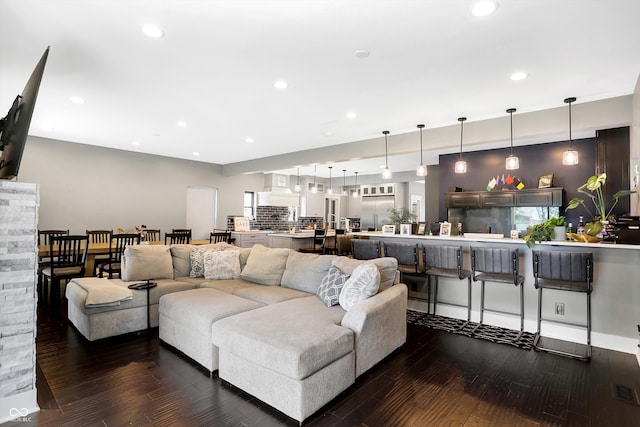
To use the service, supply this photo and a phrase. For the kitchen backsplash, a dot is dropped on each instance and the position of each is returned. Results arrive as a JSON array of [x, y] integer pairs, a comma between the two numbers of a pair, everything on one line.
[[277, 218]]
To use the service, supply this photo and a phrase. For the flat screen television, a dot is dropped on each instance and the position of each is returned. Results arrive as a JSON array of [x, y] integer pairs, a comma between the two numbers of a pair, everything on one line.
[[14, 127]]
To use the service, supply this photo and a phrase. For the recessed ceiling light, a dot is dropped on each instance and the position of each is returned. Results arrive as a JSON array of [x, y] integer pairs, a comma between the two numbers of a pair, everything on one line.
[[280, 84], [484, 8], [152, 31], [361, 53], [195, 153], [520, 75], [249, 140], [351, 115], [182, 124], [76, 100], [135, 143]]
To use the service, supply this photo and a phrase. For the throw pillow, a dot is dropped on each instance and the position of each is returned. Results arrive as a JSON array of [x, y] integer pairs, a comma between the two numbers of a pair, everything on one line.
[[222, 265], [331, 285], [265, 266], [363, 283], [142, 262], [387, 266], [196, 256], [305, 272]]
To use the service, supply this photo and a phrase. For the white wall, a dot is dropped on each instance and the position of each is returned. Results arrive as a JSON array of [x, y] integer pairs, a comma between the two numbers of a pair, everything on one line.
[[635, 147], [83, 186]]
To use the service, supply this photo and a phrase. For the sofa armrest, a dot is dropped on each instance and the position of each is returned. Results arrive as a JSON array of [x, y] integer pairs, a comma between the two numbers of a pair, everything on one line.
[[379, 324]]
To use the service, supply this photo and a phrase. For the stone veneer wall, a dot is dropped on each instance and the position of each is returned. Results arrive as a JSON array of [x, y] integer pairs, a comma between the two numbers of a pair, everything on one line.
[[18, 253]]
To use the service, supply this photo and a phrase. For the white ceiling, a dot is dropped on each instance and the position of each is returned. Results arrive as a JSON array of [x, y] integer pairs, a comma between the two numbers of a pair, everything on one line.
[[430, 62]]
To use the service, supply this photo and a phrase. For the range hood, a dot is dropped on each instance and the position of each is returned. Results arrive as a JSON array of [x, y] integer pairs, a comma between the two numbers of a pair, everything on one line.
[[277, 192]]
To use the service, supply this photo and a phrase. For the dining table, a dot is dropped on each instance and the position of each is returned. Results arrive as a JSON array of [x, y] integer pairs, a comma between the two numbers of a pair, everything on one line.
[[94, 249]]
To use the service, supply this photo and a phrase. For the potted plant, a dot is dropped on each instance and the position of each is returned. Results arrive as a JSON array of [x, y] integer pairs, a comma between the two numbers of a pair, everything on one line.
[[559, 228], [401, 216], [543, 232], [593, 189]]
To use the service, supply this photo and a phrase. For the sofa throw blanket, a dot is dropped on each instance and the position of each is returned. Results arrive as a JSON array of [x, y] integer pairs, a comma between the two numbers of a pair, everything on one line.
[[102, 293]]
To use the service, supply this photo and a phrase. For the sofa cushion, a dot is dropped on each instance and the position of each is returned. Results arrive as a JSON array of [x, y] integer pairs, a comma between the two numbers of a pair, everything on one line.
[[332, 283], [180, 256], [142, 262], [363, 283], [387, 266], [222, 264], [305, 272], [265, 265], [269, 294], [228, 286], [295, 338]]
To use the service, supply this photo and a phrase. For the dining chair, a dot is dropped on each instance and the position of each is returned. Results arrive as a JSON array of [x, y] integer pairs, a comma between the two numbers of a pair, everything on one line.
[[182, 230], [117, 246], [69, 255], [563, 271], [44, 239], [152, 235], [220, 236], [332, 245], [499, 265], [99, 236], [365, 249], [176, 238], [319, 241]]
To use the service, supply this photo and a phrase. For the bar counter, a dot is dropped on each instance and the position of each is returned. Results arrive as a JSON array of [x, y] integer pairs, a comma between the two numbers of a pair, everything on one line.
[[615, 298]]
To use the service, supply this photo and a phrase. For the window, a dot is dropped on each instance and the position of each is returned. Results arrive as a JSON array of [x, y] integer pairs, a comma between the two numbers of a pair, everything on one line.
[[249, 204]]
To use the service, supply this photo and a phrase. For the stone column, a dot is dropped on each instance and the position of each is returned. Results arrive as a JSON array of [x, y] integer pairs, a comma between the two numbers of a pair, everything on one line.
[[18, 266]]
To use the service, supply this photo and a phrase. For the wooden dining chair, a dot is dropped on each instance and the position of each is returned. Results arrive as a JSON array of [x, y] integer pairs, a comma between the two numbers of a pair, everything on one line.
[[99, 236], [220, 236], [152, 235], [182, 230], [319, 240], [332, 245], [177, 238], [69, 255], [117, 246], [44, 239]]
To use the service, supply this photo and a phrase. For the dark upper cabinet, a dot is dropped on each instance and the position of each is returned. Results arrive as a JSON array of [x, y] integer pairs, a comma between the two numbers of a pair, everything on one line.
[[488, 199], [612, 158], [466, 199]]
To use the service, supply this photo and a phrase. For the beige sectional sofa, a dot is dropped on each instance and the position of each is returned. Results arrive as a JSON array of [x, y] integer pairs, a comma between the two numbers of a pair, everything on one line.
[[267, 331]]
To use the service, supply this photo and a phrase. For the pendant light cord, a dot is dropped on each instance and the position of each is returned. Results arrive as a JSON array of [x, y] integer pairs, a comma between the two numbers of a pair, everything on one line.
[[386, 150], [461, 120], [569, 101], [420, 127], [511, 111]]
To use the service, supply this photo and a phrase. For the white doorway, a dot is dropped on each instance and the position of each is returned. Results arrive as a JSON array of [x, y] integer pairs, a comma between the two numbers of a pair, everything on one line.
[[201, 211]]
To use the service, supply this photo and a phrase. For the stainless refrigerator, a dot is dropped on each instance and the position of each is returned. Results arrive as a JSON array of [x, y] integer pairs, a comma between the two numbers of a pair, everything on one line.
[[375, 211]]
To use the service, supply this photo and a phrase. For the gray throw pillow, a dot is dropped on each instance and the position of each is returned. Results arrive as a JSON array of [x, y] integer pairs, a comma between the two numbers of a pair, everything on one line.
[[331, 285], [222, 265]]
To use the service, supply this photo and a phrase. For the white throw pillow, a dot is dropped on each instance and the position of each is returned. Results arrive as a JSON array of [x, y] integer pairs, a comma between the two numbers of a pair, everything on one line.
[[331, 286], [222, 265], [363, 283], [265, 266]]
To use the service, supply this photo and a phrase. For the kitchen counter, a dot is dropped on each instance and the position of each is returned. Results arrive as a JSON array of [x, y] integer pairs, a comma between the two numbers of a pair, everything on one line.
[[295, 241], [615, 299]]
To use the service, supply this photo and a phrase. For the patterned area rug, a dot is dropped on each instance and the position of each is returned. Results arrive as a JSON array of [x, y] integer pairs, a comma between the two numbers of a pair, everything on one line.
[[472, 329]]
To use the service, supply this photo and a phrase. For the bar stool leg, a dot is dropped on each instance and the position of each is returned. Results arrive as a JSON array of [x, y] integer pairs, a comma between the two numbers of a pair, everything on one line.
[[435, 295], [481, 307], [468, 299], [588, 327]]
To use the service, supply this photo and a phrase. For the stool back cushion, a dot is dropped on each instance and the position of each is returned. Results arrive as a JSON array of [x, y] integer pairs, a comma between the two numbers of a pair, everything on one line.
[[495, 260], [142, 262], [265, 266], [565, 266], [444, 257], [305, 272]]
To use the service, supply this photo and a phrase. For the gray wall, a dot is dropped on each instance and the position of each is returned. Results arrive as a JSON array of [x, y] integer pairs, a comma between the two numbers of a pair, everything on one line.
[[83, 186]]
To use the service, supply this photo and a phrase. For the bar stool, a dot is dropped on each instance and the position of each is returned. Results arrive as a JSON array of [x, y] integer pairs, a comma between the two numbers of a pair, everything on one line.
[[446, 261], [365, 249], [563, 271], [499, 265], [407, 256]]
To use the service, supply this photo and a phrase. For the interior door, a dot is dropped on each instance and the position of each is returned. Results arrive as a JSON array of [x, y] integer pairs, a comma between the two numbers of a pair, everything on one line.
[[201, 211]]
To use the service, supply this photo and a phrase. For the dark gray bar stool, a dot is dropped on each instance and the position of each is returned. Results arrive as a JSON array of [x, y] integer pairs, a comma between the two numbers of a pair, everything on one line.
[[499, 265], [563, 271], [365, 249], [446, 261]]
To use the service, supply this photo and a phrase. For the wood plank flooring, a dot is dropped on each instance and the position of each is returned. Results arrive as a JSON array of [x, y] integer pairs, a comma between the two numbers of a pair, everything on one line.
[[436, 379]]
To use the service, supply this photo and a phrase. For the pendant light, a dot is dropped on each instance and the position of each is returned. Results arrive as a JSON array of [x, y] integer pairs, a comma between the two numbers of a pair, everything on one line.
[[344, 182], [314, 189], [421, 170], [570, 157], [330, 190], [461, 165], [512, 162], [355, 191], [297, 187], [386, 173]]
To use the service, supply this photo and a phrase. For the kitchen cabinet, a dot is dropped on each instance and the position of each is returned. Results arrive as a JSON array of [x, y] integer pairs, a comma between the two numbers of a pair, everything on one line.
[[246, 239], [520, 198], [313, 205]]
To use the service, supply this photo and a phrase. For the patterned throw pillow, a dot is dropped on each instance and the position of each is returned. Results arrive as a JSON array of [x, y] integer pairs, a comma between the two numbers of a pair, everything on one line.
[[222, 265], [196, 256], [331, 285], [363, 283]]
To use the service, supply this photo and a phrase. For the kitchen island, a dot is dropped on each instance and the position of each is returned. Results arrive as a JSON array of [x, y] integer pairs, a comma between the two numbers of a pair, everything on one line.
[[296, 241], [615, 299]]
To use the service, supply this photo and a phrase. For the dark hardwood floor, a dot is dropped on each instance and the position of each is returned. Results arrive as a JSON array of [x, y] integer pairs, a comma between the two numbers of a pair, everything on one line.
[[436, 379]]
